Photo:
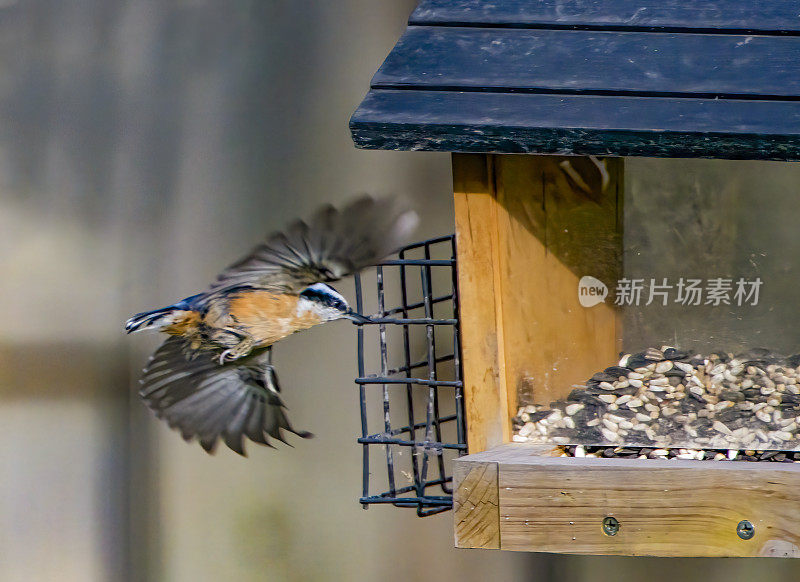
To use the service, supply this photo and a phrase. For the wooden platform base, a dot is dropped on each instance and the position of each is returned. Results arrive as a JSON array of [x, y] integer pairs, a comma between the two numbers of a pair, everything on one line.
[[520, 497]]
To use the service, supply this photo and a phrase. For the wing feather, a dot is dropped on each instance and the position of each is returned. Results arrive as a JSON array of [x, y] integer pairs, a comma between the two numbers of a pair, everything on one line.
[[234, 432], [209, 402], [253, 427], [333, 244]]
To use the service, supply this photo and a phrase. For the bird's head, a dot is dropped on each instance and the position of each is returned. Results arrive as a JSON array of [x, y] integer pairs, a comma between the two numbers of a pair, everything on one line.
[[325, 301]]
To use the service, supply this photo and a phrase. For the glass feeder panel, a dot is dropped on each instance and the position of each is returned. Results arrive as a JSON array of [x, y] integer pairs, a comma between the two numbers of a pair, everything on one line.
[[709, 320]]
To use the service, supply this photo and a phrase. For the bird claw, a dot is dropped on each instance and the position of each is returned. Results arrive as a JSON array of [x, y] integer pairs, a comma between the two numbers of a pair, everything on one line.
[[236, 352]]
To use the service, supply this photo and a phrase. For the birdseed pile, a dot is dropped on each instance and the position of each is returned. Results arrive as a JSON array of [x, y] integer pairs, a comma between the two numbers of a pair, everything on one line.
[[688, 454], [667, 398]]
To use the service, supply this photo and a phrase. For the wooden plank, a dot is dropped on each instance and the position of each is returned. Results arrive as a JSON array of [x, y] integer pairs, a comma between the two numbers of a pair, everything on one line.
[[664, 508], [485, 394], [578, 124], [633, 63], [475, 506], [558, 219], [713, 15]]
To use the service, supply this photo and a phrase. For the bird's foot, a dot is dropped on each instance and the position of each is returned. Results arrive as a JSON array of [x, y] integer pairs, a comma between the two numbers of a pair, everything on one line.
[[241, 349]]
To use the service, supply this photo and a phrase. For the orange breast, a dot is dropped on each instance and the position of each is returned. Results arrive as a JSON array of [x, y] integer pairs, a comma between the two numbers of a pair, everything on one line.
[[269, 317]]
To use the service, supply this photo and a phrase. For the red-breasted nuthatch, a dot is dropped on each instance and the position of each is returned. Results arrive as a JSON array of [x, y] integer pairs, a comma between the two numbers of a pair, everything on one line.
[[214, 377]]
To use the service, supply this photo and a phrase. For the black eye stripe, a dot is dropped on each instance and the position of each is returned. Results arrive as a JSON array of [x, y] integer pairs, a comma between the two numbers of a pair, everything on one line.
[[324, 298]]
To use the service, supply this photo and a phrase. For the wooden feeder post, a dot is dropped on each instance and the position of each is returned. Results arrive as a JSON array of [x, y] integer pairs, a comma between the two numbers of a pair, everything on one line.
[[539, 106]]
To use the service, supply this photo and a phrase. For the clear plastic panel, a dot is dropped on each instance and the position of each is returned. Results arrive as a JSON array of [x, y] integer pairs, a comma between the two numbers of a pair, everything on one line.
[[710, 318]]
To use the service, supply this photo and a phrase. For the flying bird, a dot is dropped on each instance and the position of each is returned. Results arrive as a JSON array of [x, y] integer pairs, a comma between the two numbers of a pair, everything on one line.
[[213, 377]]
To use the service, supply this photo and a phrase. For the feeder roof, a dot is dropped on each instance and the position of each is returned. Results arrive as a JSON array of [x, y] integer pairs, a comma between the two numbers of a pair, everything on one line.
[[665, 78]]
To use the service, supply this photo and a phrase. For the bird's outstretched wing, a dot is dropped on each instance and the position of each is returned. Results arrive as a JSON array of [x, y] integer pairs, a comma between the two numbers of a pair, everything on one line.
[[332, 245], [208, 401]]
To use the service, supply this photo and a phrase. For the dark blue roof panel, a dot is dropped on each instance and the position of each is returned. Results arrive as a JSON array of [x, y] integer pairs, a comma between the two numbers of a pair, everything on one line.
[[754, 16], [568, 61], [578, 124], [671, 79]]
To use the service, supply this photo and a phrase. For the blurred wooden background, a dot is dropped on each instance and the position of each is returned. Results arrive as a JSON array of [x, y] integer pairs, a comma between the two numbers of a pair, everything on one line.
[[143, 146]]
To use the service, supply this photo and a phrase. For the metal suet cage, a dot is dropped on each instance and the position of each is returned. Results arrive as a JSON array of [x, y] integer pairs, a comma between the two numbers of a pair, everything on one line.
[[421, 425]]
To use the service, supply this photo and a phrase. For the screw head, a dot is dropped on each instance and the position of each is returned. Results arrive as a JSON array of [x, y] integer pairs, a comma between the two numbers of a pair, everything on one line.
[[610, 526], [745, 529]]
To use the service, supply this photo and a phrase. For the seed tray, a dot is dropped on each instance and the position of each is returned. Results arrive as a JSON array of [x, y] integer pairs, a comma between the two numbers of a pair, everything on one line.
[[750, 455], [668, 398]]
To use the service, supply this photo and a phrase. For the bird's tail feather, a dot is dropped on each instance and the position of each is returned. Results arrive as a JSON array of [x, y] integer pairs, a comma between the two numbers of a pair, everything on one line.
[[155, 319], [164, 317]]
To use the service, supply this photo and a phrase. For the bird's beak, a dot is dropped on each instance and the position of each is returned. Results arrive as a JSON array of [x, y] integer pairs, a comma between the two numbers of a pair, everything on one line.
[[356, 318]]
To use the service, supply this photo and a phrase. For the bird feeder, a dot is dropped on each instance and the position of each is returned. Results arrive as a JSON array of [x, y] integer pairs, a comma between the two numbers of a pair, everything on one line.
[[628, 316]]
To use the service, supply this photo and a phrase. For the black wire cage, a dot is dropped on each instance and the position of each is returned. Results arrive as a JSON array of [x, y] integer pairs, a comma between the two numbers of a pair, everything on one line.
[[412, 341]]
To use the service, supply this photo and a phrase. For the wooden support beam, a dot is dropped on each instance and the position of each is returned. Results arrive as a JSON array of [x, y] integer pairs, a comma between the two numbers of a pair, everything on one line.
[[477, 524], [479, 279], [664, 508]]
